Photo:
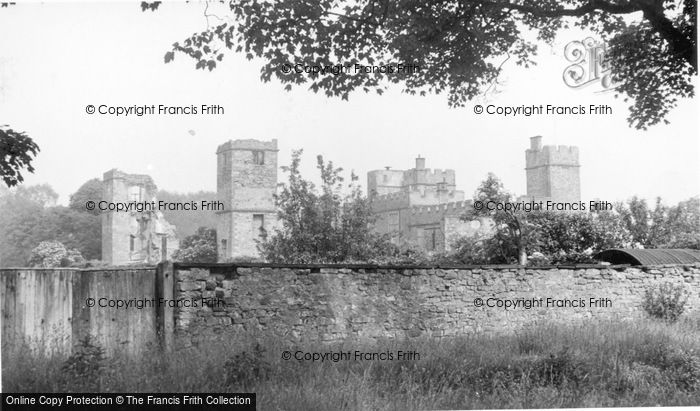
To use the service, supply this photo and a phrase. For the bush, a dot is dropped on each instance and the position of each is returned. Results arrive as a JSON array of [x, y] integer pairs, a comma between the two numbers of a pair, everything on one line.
[[50, 254], [246, 368], [84, 368], [199, 247], [665, 301]]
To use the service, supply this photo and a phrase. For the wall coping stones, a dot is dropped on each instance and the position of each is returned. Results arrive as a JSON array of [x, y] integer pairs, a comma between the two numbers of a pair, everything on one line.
[[86, 269], [234, 266]]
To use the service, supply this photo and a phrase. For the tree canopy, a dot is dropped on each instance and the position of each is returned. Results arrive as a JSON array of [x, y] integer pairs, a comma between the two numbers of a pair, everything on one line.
[[199, 247], [549, 237], [188, 222], [460, 45], [663, 226], [331, 224], [29, 216], [16, 153], [91, 190]]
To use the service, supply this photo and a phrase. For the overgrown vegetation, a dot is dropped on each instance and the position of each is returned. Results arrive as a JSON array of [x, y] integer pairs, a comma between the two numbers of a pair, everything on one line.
[[547, 237], [665, 301], [603, 364], [331, 223], [199, 247]]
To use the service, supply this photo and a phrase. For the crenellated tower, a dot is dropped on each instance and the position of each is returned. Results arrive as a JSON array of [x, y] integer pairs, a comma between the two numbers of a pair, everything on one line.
[[552, 172], [246, 184]]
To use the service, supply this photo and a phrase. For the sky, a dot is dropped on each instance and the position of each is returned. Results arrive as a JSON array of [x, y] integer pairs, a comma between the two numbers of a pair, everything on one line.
[[57, 58]]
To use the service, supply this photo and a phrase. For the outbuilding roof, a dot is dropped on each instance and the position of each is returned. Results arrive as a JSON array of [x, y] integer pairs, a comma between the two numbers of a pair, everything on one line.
[[649, 257]]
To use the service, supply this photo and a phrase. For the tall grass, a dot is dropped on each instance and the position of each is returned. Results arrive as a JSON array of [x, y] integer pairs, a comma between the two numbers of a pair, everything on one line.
[[601, 364]]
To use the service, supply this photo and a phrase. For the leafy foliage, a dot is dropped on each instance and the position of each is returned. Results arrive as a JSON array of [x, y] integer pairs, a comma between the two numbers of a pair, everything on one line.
[[548, 237], [199, 247], [574, 237], [666, 301], [508, 244], [188, 222], [322, 225], [28, 216], [663, 227], [246, 368], [16, 152], [85, 367], [91, 190], [459, 46], [50, 254]]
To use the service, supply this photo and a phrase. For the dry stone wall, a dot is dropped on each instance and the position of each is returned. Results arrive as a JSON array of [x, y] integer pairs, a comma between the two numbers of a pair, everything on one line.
[[338, 303]]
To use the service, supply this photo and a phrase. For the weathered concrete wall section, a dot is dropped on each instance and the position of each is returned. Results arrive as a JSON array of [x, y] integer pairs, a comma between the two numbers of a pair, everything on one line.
[[338, 303], [128, 330], [37, 305], [49, 308]]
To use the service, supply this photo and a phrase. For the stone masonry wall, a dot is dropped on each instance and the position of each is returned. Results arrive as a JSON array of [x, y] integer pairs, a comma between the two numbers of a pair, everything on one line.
[[332, 304]]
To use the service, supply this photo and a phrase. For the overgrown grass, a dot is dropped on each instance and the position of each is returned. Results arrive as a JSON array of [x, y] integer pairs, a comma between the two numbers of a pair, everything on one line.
[[600, 364]]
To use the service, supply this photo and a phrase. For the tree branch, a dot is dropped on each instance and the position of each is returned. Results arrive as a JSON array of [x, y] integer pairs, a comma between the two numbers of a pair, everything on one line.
[[680, 44]]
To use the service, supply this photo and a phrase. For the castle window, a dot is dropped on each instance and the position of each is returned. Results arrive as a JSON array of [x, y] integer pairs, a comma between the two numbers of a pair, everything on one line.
[[430, 239], [135, 193], [393, 222], [224, 245], [259, 225], [258, 157], [131, 243]]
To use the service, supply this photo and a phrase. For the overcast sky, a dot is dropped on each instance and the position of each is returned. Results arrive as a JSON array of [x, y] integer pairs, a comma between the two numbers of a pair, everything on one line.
[[55, 59]]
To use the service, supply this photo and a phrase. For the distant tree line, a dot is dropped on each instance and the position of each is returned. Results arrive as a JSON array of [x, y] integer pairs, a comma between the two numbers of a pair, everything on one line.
[[574, 237], [34, 231], [29, 216]]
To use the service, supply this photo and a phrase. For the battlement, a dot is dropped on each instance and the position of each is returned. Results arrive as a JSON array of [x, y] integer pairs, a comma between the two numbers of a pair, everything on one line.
[[455, 207], [399, 195], [248, 144], [142, 180], [552, 155], [390, 201], [552, 171]]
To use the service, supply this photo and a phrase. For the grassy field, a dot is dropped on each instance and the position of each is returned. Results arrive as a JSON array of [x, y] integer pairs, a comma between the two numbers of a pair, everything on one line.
[[603, 364]]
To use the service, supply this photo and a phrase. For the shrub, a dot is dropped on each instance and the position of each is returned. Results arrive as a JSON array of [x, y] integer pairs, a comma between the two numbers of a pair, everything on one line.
[[665, 301], [50, 254], [84, 368], [199, 247], [247, 368]]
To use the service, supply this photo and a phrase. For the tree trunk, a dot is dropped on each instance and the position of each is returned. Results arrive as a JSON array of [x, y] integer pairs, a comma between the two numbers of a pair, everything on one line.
[[522, 256]]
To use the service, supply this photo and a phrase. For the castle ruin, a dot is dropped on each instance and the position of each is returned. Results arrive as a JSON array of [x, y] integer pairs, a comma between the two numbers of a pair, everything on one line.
[[246, 182], [418, 206], [131, 237]]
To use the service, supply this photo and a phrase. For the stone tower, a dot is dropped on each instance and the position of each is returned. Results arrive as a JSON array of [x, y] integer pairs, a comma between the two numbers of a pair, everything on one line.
[[133, 237], [246, 183], [552, 172]]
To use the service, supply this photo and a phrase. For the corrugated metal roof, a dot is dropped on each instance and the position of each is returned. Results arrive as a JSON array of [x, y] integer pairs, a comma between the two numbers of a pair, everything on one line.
[[649, 257]]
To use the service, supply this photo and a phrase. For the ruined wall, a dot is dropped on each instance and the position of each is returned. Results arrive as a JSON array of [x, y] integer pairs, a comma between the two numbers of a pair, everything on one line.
[[332, 304], [130, 237]]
